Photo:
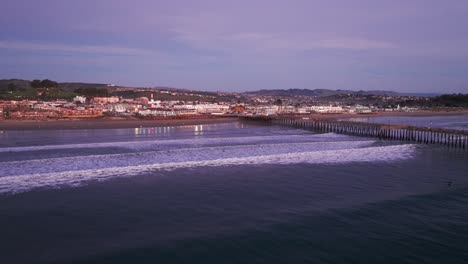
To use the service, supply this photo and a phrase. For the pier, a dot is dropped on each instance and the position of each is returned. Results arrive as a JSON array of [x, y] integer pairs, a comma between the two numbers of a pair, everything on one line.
[[423, 135]]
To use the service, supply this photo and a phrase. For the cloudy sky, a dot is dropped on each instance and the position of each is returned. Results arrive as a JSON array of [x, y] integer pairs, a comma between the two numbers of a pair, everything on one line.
[[400, 45]]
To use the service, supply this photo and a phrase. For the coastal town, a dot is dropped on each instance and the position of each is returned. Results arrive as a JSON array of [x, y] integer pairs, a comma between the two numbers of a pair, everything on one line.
[[47, 99], [143, 107]]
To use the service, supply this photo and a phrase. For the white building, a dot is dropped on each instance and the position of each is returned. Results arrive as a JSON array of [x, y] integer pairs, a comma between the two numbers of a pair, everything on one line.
[[211, 108], [79, 99], [157, 112], [117, 108], [325, 109], [362, 109]]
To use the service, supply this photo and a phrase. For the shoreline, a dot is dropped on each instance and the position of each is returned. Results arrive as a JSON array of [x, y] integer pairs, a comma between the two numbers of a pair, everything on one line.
[[18, 125], [114, 123]]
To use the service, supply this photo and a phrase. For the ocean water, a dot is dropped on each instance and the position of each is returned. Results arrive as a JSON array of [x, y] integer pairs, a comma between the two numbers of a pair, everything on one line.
[[237, 192], [458, 122]]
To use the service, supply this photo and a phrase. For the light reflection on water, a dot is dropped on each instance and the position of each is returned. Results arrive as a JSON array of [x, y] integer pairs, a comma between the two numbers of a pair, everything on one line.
[[198, 130], [167, 130], [236, 193], [153, 131]]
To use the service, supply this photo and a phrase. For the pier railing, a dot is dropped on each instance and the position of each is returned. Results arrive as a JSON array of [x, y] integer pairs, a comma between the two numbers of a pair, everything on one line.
[[424, 135]]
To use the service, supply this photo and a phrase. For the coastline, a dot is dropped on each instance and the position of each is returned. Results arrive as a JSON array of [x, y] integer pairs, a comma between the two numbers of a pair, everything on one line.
[[112, 123], [105, 123]]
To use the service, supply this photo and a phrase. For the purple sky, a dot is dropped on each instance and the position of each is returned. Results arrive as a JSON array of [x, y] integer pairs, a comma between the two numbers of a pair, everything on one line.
[[400, 45]]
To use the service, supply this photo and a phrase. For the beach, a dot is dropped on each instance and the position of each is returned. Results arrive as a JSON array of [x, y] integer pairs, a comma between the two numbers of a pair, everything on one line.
[[104, 123]]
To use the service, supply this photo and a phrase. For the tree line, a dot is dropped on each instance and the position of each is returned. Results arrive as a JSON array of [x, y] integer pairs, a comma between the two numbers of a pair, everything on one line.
[[46, 83]]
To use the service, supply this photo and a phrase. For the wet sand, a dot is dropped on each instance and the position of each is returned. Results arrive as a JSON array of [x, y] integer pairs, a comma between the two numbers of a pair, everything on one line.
[[104, 123]]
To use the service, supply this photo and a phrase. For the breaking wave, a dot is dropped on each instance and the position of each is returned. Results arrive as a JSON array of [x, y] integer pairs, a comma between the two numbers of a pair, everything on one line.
[[155, 144], [45, 165], [358, 151]]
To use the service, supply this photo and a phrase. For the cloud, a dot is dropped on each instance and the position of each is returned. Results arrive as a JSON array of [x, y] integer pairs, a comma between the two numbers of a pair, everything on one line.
[[258, 42], [103, 56], [89, 49], [353, 44], [215, 33]]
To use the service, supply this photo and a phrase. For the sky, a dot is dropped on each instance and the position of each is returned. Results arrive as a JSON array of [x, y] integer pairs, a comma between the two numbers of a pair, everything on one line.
[[243, 45]]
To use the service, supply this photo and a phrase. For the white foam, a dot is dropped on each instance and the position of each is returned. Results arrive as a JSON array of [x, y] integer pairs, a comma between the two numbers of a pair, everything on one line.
[[23, 183], [165, 156], [152, 144]]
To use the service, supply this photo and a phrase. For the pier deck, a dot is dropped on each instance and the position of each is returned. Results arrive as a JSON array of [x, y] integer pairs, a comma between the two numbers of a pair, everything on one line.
[[423, 135]]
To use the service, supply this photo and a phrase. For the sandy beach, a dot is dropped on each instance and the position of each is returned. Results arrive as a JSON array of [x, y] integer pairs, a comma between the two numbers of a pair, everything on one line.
[[104, 123]]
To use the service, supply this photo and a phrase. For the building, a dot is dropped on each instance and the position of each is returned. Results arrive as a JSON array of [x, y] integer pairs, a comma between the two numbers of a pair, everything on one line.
[[33, 115], [325, 109], [362, 109], [157, 112], [106, 100], [238, 109], [213, 109], [79, 99]]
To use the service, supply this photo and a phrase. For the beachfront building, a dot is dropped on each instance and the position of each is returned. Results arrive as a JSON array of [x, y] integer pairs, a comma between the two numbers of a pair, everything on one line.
[[106, 100], [213, 109], [325, 109], [80, 113], [185, 109], [266, 110], [33, 114], [286, 109], [117, 108], [237, 109], [302, 110], [79, 99], [360, 109], [157, 112]]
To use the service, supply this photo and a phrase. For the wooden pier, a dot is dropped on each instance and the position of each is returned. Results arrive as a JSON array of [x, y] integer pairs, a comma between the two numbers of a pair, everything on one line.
[[439, 136]]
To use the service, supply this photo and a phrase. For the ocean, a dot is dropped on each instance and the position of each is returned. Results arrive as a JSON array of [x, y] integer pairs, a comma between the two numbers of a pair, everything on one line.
[[457, 122], [236, 192]]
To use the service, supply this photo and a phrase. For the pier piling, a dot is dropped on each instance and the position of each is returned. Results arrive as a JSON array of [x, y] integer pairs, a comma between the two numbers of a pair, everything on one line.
[[435, 136]]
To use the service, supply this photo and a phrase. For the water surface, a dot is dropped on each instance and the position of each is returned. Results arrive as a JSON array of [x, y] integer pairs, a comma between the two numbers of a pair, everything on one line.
[[228, 193], [458, 122]]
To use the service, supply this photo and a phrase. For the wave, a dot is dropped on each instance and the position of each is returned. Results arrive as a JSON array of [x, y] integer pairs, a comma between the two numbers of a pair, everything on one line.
[[194, 153], [152, 144], [27, 182]]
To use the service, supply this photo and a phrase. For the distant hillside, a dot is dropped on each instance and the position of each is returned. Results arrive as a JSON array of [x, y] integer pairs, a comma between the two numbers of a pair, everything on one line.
[[67, 86], [71, 86], [318, 92], [18, 84], [21, 89], [421, 94], [17, 89]]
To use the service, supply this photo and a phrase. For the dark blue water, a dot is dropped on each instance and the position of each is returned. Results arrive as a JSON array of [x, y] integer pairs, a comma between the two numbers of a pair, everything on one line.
[[458, 122], [228, 193]]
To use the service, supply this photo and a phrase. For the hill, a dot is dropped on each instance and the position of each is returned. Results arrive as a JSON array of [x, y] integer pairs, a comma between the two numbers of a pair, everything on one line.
[[66, 86], [5, 84], [318, 92], [14, 89], [71, 86]]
